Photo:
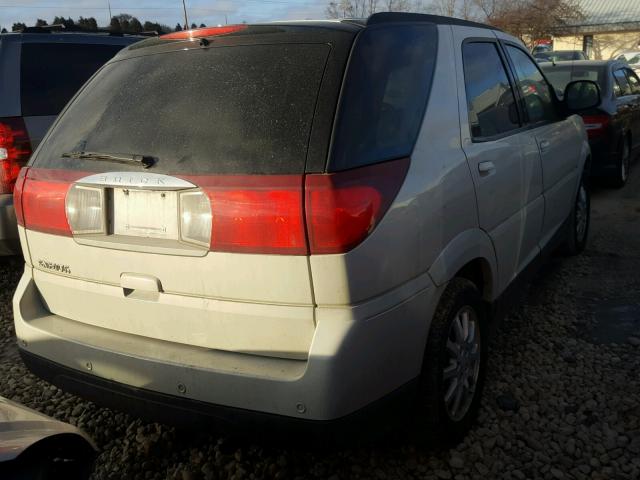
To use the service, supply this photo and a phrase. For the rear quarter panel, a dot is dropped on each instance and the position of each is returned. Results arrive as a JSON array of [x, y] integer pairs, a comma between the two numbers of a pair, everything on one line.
[[435, 203]]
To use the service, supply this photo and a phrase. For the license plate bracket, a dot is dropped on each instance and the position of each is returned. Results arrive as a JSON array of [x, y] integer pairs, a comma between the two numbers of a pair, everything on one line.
[[145, 213]]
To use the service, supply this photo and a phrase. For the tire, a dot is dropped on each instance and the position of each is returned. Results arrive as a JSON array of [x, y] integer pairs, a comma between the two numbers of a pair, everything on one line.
[[578, 233], [624, 165], [439, 417]]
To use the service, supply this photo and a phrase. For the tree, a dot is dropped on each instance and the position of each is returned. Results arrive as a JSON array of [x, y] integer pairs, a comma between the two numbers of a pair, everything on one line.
[[365, 8], [135, 26], [88, 24], [41, 23], [156, 27], [202, 25], [18, 27], [178, 27], [114, 25], [4, 30], [193, 25], [530, 19], [453, 8]]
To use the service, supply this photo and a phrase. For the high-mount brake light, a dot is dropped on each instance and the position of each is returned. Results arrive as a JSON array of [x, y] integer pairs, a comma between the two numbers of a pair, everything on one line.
[[203, 32], [15, 150]]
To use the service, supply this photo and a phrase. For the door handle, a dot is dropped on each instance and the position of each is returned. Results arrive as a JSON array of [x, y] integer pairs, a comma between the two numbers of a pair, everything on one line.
[[544, 145], [486, 168]]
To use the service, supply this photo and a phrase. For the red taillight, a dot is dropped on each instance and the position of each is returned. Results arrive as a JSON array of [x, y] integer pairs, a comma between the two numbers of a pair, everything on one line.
[[343, 208], [204, 32], [596, 125], [15, 150], [264, 214], [42, 200], [17, 195], [256, 213]]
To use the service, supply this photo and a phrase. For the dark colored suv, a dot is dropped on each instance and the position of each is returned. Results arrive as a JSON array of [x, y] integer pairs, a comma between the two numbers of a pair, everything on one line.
[[39, 73], [614, 125]]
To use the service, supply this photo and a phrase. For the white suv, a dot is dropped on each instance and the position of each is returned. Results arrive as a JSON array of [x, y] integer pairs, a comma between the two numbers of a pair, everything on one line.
[[299, 219]]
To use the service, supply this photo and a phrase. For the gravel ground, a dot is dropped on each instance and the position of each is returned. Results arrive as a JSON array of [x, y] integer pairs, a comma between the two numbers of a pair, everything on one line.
[[562, 398]]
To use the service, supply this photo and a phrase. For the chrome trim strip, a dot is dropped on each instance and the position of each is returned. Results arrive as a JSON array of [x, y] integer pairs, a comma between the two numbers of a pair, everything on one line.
[[142, 180]]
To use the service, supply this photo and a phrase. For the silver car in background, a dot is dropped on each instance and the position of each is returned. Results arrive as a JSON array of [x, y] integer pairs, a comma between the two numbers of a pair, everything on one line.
[[296, 220]]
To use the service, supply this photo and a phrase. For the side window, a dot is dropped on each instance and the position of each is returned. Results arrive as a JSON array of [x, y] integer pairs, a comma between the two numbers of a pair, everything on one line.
[[490, 99], [385, 94], [623, 83], [634, 83], [536, 92]]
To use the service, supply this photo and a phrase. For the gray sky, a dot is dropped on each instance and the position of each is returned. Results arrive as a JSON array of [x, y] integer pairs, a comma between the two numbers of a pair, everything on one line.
[[210, 12]]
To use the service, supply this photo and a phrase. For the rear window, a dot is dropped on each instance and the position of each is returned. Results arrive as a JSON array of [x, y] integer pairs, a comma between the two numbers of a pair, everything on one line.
[[51, 73], [385, 94], [232, 109], [560, 77]]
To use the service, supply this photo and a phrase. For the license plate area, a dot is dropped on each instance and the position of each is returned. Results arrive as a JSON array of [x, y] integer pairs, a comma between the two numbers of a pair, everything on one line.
[[145, 213]]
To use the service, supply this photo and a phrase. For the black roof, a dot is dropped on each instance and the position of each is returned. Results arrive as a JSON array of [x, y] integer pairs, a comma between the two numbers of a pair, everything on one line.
[[389, 17]]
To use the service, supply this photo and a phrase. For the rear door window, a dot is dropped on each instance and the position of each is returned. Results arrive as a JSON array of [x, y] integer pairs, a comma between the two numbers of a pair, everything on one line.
[[385, 94], [490, 100], [51, 73], [634, 83], [623, 83], [534, 89], [229, 109]]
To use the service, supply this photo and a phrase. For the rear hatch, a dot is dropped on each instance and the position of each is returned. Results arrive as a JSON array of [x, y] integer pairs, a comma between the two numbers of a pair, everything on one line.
[[207, 246], [182, 194]]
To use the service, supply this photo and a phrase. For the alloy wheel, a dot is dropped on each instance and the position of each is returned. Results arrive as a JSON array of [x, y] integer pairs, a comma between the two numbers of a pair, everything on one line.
[[582, 213], [625, 163], [462, 369]]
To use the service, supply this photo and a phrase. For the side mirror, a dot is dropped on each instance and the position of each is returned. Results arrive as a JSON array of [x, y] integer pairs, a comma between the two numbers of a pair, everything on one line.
[[581, 95]]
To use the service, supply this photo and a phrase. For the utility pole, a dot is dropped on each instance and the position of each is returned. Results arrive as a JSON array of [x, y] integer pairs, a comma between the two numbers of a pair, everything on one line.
[[186, 20], [226, 21], [109, 5]]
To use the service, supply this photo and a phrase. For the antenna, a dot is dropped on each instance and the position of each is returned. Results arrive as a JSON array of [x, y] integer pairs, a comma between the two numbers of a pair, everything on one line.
[[186, 20]]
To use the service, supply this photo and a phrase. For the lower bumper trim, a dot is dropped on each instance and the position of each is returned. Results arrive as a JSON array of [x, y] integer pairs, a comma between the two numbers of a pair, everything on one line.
[[193, 414]]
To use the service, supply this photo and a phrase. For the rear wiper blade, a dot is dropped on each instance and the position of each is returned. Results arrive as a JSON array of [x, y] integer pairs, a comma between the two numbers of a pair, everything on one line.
[[143, 160]]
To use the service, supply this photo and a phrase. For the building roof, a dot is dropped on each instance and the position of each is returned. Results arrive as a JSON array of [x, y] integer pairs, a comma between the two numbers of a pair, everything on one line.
[[601, 15]]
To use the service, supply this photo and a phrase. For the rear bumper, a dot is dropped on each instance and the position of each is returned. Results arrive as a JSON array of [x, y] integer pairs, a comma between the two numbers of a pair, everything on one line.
[[604, 155], [9, 240], [359, 354], [187, 413]]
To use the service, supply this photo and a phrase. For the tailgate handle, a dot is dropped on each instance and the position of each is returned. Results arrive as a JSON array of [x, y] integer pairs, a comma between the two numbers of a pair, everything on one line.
[[140, 282]]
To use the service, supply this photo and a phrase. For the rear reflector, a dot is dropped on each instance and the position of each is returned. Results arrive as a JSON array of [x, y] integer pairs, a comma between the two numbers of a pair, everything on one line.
[[204, 32], [596, 125], [343, 208], [15, 150]]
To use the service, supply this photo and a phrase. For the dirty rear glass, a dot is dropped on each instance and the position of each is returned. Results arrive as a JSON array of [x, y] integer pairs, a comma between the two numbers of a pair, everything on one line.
[[235, 109]]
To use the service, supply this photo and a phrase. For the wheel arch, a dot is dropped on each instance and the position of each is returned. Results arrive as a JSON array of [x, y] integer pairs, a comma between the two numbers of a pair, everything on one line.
[[469, 255]]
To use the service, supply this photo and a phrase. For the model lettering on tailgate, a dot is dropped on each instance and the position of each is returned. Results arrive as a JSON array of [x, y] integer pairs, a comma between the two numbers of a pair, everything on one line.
[[54, 266]]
